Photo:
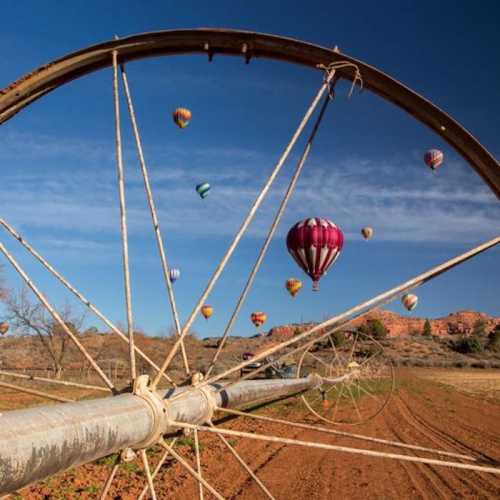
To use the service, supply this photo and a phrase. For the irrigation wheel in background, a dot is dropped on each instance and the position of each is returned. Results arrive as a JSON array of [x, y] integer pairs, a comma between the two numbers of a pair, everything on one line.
[[369, 378]]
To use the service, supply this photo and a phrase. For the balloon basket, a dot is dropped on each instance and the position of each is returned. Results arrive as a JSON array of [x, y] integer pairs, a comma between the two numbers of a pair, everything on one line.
[[315, 287]]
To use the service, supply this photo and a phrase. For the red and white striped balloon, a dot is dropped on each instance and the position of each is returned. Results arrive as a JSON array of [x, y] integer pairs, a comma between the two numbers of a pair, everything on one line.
[[434, 158], [315, 244]]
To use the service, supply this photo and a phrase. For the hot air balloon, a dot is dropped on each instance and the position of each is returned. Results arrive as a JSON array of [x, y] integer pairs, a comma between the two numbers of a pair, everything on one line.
[[182, 117], [258, 318], [174, 275], [293, 286], [410, 301], [315, 244], [203, 189], [367, 232], [4, 327], [433, 158], [207, 311]]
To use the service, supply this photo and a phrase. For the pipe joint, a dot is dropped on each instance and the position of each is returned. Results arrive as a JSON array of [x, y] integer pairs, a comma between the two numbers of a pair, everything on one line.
[[158, 411]]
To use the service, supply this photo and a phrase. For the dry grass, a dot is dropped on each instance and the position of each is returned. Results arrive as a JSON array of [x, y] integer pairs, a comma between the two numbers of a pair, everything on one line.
[[483, 382]]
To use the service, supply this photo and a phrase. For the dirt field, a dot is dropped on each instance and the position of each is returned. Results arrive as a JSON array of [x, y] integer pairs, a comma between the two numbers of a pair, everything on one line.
[[423, 411], [479, 382]]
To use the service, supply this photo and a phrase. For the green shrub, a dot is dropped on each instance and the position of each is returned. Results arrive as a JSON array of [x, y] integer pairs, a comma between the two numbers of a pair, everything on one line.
[[468, 345], [494, 339], [338, 339], [479, 328], [367, 351], [375, 328], [427, 331]]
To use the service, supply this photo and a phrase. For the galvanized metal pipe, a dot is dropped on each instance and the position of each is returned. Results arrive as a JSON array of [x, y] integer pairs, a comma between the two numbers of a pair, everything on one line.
[[39, 442]]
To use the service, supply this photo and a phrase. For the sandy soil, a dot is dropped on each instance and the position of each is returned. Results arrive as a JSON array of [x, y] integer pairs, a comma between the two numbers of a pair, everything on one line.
[[422, 411]]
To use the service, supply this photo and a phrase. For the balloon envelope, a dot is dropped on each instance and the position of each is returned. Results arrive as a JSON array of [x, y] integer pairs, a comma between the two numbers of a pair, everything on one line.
[[433, 158], [367, 232], [4, 327], [258, 318], [293, 286], [315, 244], [203, 189], [174, 275], [207, 311], [182, 117], [410, 301]]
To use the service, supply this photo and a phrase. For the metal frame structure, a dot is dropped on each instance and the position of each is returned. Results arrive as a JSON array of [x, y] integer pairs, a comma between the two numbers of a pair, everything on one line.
[[36, 443]]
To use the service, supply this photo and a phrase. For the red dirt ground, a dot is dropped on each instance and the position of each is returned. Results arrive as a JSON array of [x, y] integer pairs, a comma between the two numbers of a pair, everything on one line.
[[421, 412]]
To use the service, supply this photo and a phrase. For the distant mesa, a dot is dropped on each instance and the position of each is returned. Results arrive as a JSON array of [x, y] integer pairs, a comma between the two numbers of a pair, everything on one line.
[[456, 323]]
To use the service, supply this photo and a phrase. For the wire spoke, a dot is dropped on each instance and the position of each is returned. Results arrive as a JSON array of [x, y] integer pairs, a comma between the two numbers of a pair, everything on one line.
[[346, 449], [198, 462], [370, 358], [56, 316], [299, 425], [154, 215], [145, 463], [354, 403], [334, 350], [360, 387], [34, 392], [190, 470], [270, 234], [246, 222], [109, 480], [353, 348], [77, 294], [338, 398], [319, 360], [123, 218], [157, 469], [244, 464], [54, 381]]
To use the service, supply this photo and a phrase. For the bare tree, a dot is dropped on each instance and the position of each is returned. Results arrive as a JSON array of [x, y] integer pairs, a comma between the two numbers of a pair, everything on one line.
[[31, 318]]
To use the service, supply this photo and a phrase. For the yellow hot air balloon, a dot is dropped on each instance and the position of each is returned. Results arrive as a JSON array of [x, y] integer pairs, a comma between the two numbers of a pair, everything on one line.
[[293, 286], [4, 327], [207, 311], [182, 117]]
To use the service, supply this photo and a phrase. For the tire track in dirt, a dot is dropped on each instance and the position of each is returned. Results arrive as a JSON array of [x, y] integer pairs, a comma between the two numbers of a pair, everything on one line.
[[395, 418], [449, 438], [483, 485], [447, 477]]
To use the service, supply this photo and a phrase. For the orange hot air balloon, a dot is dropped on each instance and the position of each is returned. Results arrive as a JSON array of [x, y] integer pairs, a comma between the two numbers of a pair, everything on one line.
[[4, 327], [258, 318], [367, 232], [293, 286], [207, 311], [182, 117]]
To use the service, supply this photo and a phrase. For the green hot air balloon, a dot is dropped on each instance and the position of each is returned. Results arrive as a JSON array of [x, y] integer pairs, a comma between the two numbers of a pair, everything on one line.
[[203, 189]]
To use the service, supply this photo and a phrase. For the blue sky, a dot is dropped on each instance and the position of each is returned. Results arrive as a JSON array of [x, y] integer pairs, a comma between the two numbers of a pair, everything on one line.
[[366, 168]]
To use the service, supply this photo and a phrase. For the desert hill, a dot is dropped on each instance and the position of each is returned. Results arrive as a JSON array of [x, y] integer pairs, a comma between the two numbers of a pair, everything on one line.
[[397, 325], [25, 352]]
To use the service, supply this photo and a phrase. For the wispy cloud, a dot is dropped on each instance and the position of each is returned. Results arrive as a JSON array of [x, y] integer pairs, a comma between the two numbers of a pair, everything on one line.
[[402, 202]]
